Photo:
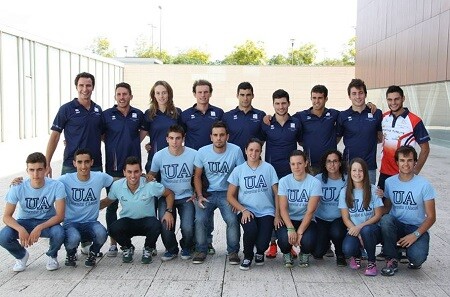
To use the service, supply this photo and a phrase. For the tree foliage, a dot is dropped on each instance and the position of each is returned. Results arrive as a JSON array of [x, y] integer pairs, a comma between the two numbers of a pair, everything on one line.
[[192, 56], [304, 55], [248, 53], [101, 46], [278, 60], [143, 50], [349, 54]]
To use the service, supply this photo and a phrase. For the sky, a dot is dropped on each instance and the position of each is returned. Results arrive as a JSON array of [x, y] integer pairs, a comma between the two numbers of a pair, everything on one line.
[[212, 26]]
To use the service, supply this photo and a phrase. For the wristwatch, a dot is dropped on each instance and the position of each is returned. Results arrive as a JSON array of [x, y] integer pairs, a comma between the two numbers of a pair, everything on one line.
[[169, 210], [417, 233]]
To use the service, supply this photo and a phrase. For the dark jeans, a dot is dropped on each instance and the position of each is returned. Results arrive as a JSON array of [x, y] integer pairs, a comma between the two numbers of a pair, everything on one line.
[[257, 233], [186, 211], [111, 210], [307, 243], [124, 229], [370, 235], [93, 232], [326, 231]]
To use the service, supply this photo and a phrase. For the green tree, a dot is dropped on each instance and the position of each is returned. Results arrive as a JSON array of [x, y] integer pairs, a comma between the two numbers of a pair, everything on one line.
[[101, 46], [349, 53], [143, 50], [248, 53], [278, 60], [192, 56], [304, 55], [330, 62]]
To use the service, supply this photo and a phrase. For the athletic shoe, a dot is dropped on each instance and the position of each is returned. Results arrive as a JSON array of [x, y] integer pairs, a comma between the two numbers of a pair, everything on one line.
[[233, 258], [381, 256], [112, 251], [329, 253], [293, 253], [85, 247], [272, 251], [340, 261], [127, 255], [211, 249], [185, 254], [288, 262], [355, 263], [412, 266], [391, 268], [303, 260], [402, 257], [199, 258], [154, 252], [91, 260], [71, 260], [146, 256], [168, 256], [245, 265], [371, 269], [21, 264], [259, 259], [52, 264]]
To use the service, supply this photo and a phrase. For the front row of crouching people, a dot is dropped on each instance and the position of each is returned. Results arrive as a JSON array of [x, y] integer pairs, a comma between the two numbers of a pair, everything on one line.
[[306, 211]]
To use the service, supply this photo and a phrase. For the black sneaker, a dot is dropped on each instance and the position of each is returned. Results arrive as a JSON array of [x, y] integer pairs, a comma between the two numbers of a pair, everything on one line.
[[391, 268], [381, 256], [211, 249], [259, 259], [146, 256], [245, 265], [234, 259], [71, 260], [340, 261], [412, 266], [127, 255], [199, 258], [90, 260]]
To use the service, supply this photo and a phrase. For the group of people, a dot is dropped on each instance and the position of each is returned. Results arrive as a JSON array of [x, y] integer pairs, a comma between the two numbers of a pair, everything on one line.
[[204, 158]]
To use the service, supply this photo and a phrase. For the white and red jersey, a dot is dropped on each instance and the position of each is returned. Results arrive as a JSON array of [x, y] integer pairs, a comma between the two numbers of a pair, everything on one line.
[[406, 129]]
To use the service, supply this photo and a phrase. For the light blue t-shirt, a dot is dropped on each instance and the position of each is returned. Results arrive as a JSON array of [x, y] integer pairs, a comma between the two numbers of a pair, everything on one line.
[[141, 203], [83, 197], [408, 198], [298, 193], [358, 214], [218, 167], [328, 209], [36, 203], [176, 171], [255, 187]]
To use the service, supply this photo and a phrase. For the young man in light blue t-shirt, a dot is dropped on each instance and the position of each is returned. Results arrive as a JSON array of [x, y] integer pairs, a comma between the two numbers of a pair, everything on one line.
[[176, 165], [83, 190], [41, 203], [410, 200], [138, 214]]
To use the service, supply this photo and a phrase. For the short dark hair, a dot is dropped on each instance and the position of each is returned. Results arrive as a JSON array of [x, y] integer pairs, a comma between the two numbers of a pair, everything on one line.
[[357, 83], [82, 151], [280, 93], [124, 85], [302, 154], [201, 82], [85, 75], [406, 150], [220, 124], [132, 160], [36, 157], [177, 129], [394, 89], [254, 139], [321, 89], [245, 86]]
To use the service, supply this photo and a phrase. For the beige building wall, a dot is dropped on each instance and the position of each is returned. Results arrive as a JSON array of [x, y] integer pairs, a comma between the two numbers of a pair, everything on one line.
[[297, 81]]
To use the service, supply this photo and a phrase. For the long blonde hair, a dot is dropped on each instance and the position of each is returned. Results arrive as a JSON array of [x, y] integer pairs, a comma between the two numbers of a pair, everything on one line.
[[171, 110]]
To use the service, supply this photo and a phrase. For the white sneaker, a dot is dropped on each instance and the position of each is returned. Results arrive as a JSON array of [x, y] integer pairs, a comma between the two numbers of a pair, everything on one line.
[[85, 247], [113, 251], [21, 264], [52, 264]]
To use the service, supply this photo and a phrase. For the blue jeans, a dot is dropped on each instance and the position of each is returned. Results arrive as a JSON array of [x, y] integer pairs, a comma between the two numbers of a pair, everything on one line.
[[308, 241], [257, 233], [203, 215], [84, 232], [186, 211], [9, 236], [371, 236], [392, 230], [124, 229], [326, 231]]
